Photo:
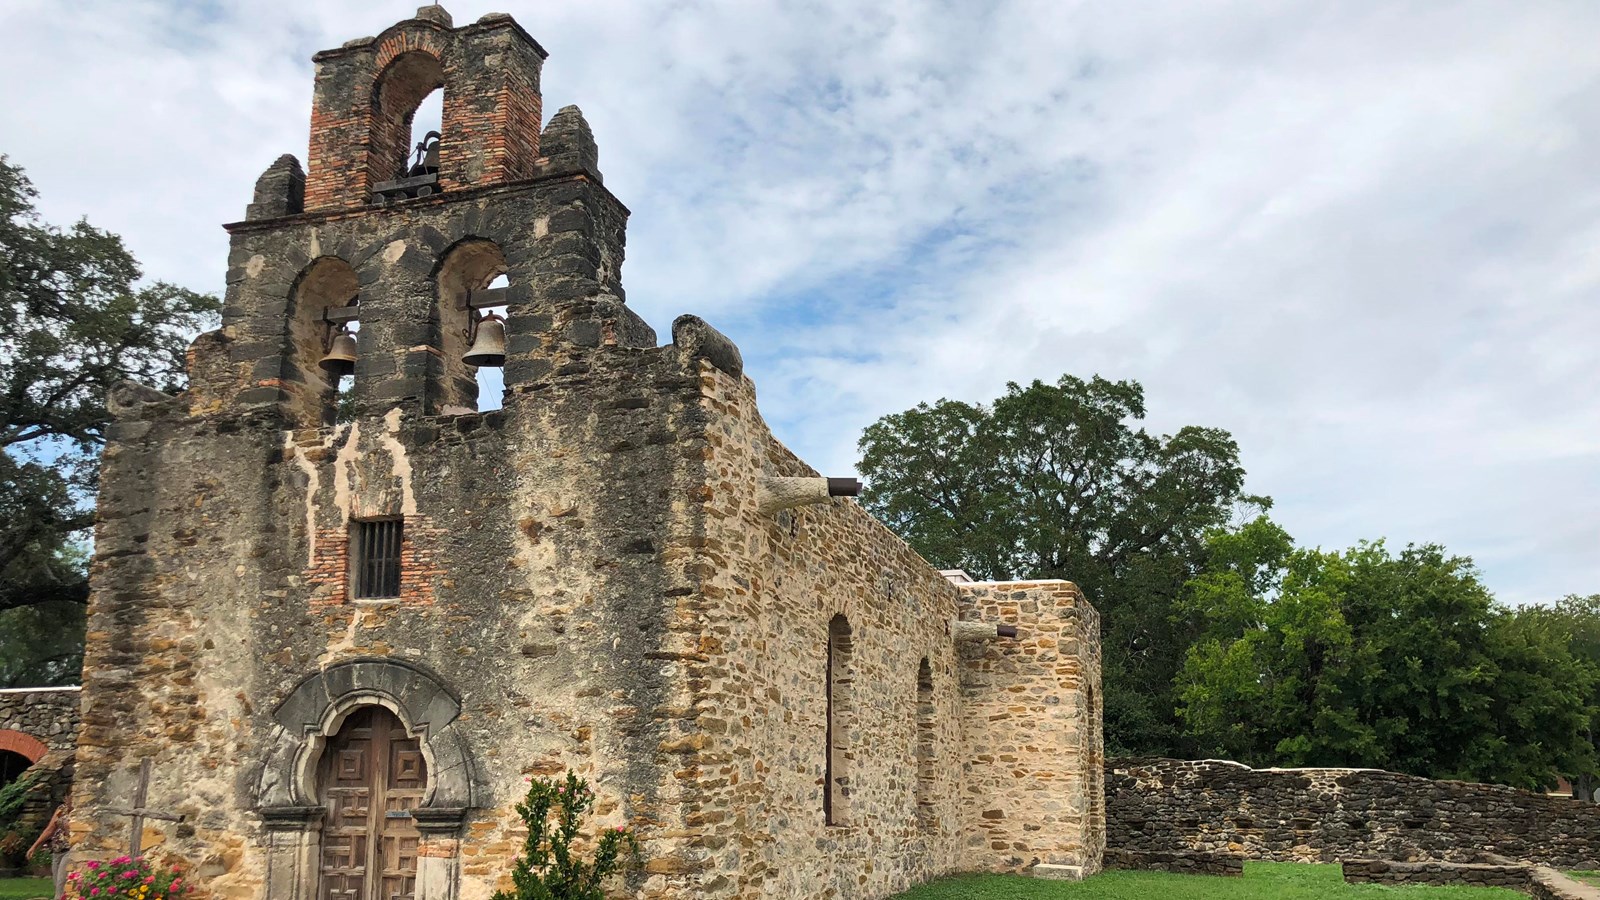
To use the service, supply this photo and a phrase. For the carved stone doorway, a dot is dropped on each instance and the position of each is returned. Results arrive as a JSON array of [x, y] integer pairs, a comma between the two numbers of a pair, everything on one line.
[[372, 775]]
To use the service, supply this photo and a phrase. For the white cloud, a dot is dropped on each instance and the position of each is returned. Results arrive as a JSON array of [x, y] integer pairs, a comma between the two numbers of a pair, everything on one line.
[[1360, 236]]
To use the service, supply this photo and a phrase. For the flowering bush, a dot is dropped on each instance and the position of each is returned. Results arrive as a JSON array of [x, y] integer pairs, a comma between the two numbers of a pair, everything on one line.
[[547, 869], [129, 877]]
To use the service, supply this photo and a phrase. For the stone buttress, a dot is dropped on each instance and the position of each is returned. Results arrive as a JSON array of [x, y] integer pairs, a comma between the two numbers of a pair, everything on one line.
[[619, 571]]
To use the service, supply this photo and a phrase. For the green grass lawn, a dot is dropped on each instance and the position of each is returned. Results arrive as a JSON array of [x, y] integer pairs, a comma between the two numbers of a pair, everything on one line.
[[1261, 881], [1589, 878], [25, 888]]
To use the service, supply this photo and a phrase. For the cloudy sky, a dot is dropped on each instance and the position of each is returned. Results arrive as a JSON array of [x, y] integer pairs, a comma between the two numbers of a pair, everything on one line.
[[1363, 237]]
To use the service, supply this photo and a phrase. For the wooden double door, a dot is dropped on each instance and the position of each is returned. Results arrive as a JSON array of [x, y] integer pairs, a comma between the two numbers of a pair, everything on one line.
[[371, 776]]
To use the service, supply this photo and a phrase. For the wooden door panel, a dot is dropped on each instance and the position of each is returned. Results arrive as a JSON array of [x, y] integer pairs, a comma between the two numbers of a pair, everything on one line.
[[373, 775]]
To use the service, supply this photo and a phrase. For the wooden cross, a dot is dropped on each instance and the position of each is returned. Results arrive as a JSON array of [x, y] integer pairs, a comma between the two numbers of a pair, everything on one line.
[[139, 813]]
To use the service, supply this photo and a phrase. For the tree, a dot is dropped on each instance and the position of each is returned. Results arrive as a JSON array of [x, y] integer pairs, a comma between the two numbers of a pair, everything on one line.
[[1575, 620], [1368, 658], [74, 320], [1055, 481]]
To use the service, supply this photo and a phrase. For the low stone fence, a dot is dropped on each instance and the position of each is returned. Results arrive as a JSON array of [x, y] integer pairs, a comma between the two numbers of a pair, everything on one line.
[[1378, 871], [1192, 863], [1167, 806], [1538, 881]]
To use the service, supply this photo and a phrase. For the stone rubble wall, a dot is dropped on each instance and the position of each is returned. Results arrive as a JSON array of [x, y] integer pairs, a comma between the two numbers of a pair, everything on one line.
[[1540, 882], [1190, 863], [48, 714], [1032, 730], [1015, 734], [1328, 815], [1379, 871]]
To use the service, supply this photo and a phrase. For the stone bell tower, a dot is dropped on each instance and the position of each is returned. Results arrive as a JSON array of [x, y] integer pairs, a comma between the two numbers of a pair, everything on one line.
[[309, 563], [340, 615]]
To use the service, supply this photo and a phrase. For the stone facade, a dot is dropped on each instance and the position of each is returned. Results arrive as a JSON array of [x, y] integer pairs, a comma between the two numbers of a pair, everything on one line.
[[621, 571], [1328, 815]]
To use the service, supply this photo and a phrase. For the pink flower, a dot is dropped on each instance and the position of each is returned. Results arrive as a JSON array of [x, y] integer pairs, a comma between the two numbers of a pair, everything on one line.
[[94, 892], [94, 864], [121, 859], [150, 879]]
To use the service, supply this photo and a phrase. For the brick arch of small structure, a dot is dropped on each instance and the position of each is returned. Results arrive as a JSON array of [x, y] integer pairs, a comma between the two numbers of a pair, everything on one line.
[[22, 743]]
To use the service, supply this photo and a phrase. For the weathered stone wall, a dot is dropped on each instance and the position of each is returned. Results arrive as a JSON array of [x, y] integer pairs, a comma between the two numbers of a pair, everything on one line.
[[1030, 713], [545, 608], [48, 715], [1327, 815], [1006, 793]]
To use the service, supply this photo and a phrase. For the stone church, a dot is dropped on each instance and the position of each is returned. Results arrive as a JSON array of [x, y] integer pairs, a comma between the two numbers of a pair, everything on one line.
[[340, 615]]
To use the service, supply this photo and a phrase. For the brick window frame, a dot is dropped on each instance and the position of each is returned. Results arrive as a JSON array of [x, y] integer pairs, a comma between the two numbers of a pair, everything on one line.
[[377, 549]]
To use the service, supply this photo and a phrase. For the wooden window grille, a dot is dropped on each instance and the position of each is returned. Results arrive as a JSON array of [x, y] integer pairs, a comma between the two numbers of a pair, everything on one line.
[[375, 561]]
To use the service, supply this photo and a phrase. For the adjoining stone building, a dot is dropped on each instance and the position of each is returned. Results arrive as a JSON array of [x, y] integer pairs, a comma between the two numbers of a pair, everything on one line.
[[38, 733], [342, 628]]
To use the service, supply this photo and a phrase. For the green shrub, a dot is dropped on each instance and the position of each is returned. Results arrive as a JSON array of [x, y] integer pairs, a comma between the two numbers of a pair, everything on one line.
[[14, 840], [547, 869]]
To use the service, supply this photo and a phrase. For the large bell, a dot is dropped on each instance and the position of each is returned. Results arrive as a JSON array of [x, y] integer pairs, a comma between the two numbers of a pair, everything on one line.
[[489, 347], [341, 357]]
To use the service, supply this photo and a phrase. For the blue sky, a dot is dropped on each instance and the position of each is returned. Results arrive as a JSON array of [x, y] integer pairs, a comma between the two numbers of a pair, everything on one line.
[[1363, 237]]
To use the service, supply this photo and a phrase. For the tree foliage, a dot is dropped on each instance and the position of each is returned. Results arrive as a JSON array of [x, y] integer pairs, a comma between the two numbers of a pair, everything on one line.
[[1056, 481], [1371, 658], [551, 867], [74, 320]]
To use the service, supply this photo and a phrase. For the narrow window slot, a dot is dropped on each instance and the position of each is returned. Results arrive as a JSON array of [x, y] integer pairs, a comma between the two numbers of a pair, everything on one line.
[[376, 566]]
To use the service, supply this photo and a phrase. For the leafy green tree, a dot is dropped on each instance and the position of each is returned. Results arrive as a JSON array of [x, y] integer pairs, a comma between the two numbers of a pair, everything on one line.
[[1576, 620], [1057, 481], [74, 320], [1369, 658]]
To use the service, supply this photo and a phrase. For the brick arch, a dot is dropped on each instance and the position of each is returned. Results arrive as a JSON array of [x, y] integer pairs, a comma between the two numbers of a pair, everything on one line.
[[404, 80], [25, 744]]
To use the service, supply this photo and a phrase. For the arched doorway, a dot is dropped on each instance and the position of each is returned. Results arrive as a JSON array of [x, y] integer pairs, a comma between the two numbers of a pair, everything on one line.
[[371, 776], [12, 765]]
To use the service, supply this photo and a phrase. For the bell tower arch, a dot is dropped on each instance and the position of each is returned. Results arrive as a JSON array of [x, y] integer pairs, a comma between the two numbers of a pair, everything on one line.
[[415, 242]]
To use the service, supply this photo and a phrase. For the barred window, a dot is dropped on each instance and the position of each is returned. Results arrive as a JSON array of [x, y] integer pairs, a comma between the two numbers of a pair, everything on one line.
[[375, 559]]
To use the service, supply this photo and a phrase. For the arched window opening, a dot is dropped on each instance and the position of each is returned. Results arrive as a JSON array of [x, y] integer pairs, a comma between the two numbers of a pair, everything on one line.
[[470, 336], [324, 318], [411, 87], [12, 765], [371, 776], [926, 819], [836, 774]]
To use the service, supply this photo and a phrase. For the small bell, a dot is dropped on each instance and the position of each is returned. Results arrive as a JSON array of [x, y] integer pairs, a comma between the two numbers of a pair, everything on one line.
[[341, 357], [489, 346]]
